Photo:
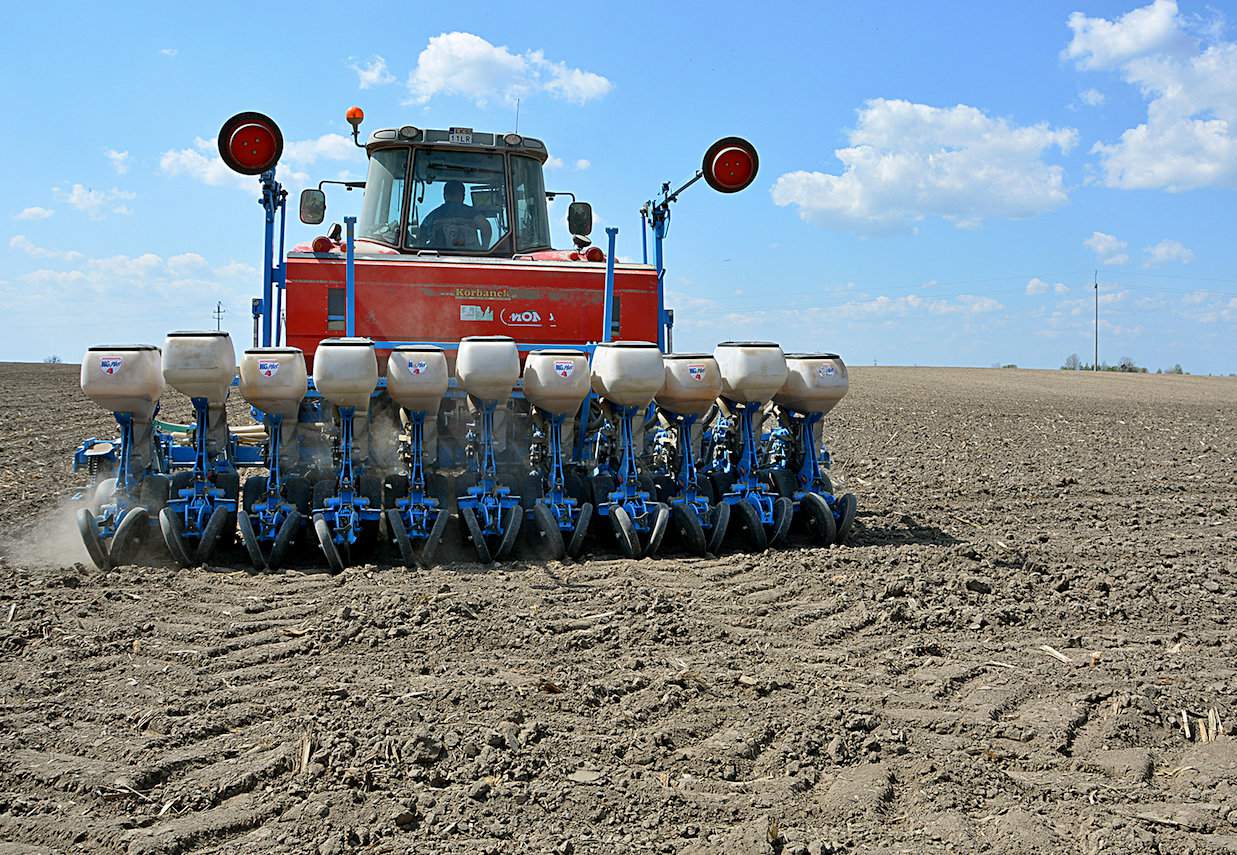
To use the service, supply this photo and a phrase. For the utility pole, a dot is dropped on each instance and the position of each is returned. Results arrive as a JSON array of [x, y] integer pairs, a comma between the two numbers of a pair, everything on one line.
[[1096, 365], [218, 314]]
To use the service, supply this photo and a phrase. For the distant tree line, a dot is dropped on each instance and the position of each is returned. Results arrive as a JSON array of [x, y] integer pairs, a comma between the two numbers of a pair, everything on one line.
[[1125, 366]]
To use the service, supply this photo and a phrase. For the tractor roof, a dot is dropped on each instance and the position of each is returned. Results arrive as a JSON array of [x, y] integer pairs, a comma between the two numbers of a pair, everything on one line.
[[462, 138]]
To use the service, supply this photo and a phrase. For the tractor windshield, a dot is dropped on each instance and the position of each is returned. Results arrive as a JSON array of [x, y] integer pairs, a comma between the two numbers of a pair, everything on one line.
[[532, 225], [459, 201], [384, 196]]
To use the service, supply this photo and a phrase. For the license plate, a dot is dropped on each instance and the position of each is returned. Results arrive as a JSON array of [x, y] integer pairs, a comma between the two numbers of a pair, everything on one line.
[[459, 137]]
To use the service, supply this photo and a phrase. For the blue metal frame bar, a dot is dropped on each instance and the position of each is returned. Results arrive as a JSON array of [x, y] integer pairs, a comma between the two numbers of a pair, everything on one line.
[[607, 315], [350, 279]]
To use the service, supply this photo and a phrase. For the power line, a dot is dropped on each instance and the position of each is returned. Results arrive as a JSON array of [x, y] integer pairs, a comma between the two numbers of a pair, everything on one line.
[[218, 314]]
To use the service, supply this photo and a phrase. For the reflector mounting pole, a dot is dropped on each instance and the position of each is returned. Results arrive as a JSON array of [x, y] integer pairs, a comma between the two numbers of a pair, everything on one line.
[[273, 199], [350, 280], [607, 311]]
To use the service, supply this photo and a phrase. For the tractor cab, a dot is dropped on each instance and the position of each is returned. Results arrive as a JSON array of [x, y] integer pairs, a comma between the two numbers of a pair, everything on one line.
[[453, 192]]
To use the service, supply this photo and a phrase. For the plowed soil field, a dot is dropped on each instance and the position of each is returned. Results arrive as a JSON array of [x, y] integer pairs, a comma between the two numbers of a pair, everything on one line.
[[1028, 646]]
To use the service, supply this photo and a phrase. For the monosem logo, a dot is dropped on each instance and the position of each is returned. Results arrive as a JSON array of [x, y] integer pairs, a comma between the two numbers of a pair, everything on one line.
[[476, 313], [418, 367], [111, 364], [696, 372], [525, 318], [268, 367]]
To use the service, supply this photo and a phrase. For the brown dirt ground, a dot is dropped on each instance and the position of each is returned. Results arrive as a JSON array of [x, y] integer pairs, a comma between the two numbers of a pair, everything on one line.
[[894, 696]]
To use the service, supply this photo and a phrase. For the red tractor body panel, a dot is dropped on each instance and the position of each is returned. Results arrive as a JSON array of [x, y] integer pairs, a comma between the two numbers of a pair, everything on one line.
[[409, 298]]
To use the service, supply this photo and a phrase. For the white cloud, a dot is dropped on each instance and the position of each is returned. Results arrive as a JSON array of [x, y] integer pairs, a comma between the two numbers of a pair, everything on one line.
[[554, 162], [1091, 97], [236, 270], [202, 162], [907, 162], [33, 213], [24, 244], [168, 51], [467, 65], [1107, 248], [1187, 76], [1167, 251], [1100, 43], [1037, 286], [185, 263], [119, 159], [326, 147], [121, 276], [95, 203], [373, 74], [583, 164]]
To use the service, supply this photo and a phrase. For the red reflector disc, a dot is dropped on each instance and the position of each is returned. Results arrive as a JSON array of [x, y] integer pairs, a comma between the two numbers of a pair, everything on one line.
[[250, 143], [252, 146], [730, 164], [732, 167], [322, 243]]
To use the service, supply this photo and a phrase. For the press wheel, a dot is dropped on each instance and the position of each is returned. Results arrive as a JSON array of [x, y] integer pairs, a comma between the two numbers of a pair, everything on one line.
[[250, 538], [429, 549], [719, 518], [399, 533], [327, 541], [211, 534], [473, 529], [511, 532], [818, 517], [88, 527], [691, 532], [169, 524], [847, 506], [283, 539], [625, 531], [661, 522], [783, 513], [748, 518], [552, 544], [576, 545]]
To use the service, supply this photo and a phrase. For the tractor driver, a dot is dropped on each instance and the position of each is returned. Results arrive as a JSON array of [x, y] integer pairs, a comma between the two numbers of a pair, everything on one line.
[[454, 224]]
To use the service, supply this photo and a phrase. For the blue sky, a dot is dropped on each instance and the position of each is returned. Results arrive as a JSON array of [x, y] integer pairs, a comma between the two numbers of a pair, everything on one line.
[[937, 184]]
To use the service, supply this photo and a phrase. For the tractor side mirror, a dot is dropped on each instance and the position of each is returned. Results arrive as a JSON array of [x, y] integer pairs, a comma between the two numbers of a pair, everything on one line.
[[580, 218], [313, 206]]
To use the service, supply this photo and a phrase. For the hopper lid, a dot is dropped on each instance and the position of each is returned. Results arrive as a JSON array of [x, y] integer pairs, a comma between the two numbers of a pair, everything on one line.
[[748, 344], [632, 344], [113, 347], [418, 348], [198, 334]]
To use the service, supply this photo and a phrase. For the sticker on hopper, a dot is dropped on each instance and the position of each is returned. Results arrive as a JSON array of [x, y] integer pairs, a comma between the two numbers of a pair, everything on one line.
[[476, 313], [418, 367], [268, 367], [564, 367], [696, 372], [823, 373], [111, 364]]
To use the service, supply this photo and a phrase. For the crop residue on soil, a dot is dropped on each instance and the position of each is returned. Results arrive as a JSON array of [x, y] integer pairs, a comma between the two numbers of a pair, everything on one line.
[[1028, 648]]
